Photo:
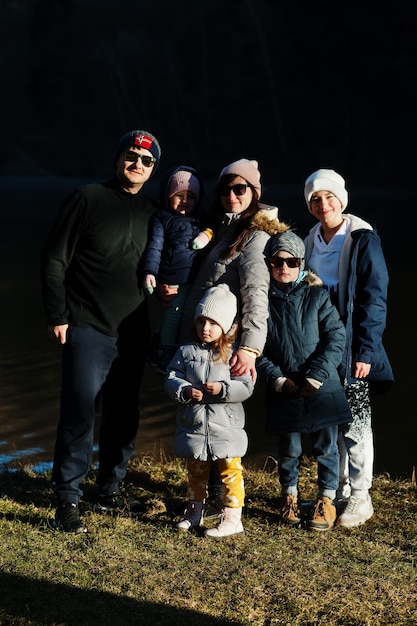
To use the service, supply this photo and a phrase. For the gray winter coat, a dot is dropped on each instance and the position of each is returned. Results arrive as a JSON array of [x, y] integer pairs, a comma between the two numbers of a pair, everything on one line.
[[246, 273], [213, 428]]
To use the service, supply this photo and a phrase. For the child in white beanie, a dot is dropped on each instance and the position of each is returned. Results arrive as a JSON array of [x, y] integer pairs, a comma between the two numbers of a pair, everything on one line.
[[211, 418], [346, 252], [168, 261]]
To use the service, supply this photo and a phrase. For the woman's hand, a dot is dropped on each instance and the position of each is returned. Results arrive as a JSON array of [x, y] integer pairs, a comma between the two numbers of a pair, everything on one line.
[[241, 363]]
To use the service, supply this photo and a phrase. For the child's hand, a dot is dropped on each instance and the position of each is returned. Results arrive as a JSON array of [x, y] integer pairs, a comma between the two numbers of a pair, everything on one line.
[[289, 388], [213, 389], [193, 393], [149, 283], [307, 390]]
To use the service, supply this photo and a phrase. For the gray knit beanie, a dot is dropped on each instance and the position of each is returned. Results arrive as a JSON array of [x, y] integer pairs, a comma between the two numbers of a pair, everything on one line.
[[288, 242], [218, 304]]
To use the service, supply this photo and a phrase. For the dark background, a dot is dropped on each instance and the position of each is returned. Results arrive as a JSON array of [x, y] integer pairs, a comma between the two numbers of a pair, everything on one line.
[[297, 85]]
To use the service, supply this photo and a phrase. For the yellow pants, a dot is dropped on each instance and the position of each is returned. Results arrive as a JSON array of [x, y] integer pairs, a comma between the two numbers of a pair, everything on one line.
[[231, 475]]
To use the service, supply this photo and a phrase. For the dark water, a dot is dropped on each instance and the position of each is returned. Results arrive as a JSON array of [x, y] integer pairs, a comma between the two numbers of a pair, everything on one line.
[[30, 362]]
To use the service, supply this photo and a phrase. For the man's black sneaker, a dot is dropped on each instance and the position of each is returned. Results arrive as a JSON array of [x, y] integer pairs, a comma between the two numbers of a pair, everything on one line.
[[117, 503], [67, 518]]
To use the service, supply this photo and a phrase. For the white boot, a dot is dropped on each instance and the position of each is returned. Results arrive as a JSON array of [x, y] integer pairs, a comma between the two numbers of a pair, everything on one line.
[[230, 524], [192, 516]]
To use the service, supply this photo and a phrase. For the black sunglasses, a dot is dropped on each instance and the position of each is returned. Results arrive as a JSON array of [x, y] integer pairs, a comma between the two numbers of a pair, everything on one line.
[[277, 261], [238, 190], [132, 157]]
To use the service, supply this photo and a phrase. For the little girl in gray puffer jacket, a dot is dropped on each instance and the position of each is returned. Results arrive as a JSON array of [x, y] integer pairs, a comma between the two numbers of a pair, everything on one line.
[[211, 418]]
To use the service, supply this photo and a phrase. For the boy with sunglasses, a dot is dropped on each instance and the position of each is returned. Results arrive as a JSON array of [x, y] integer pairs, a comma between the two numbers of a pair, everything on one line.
[[96, 311], [346, 252], [299, 364]]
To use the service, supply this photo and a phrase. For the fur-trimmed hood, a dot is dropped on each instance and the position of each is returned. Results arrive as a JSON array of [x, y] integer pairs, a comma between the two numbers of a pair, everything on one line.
[[267, 219], [312, 279]]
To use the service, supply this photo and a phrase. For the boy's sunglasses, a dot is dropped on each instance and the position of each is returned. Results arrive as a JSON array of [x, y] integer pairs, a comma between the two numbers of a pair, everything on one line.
[[132, 157], [277, 261], [238, 190]]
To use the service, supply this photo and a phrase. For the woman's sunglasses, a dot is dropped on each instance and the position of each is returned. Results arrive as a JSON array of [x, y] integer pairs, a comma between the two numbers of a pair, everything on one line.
[[132, 157], [277, 261], [238, 190]]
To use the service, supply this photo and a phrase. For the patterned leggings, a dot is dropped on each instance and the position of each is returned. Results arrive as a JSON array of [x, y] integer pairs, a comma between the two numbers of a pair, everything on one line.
[[356, 446], [231, 476]]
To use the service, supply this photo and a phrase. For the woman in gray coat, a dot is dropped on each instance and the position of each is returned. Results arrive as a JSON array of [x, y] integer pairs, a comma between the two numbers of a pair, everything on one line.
[[304, 394], [236, 256]]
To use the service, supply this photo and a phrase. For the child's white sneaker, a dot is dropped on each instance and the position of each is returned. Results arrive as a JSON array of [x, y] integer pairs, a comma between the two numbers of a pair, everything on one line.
[[357, 511]]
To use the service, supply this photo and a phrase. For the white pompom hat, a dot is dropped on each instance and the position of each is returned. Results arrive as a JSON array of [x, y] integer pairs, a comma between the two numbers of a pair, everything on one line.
[[326, 180]]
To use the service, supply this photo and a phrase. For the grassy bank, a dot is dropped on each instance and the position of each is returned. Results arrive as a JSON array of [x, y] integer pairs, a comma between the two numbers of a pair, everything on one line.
[[141, 571]]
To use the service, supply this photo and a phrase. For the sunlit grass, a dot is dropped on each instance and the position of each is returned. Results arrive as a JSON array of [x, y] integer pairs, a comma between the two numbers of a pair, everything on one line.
[[141, 571]]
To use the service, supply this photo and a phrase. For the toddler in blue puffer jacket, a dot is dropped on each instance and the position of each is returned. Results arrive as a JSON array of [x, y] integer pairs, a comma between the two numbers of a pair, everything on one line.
[[169, 260]]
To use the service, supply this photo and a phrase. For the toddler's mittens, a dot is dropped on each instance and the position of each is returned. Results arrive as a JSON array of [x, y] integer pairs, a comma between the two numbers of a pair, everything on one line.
[[202, 239], [149, 284]]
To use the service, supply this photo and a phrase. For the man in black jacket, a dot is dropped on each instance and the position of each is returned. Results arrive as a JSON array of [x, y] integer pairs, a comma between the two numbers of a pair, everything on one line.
[[96, 310]]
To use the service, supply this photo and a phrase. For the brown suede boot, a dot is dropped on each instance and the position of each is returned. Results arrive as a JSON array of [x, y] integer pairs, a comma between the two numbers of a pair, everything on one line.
[[290, 511], [324, 515]]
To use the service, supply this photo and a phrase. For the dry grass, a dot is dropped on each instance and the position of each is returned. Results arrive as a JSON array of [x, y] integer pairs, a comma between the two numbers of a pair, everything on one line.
[[141, 571]]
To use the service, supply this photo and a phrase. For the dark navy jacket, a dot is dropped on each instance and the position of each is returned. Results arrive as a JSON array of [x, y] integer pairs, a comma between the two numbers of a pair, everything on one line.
[[306, 338], [362, 302]]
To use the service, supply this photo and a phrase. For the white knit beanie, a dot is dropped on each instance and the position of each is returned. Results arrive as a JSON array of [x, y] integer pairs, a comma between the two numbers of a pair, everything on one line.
[[247, 169], [218, 304], [326, 180], [183, 180]]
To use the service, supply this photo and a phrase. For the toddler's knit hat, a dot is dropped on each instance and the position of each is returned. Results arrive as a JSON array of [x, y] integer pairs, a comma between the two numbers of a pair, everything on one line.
[[220, 305], [139, 139], [184, 180], [326, 180], [247, 169], [288, 242]]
